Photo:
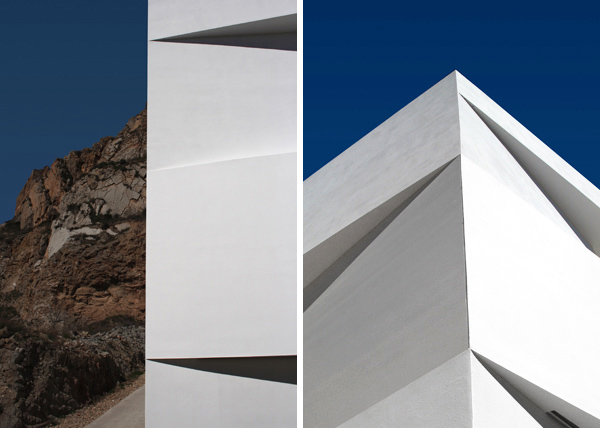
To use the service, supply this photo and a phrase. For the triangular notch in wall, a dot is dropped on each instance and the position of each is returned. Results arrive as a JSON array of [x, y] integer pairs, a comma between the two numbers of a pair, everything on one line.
[[275, 369], [277, 33]]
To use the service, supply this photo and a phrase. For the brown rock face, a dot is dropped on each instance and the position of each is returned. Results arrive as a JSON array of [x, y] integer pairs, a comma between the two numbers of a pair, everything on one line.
[[72, 262], [43, 378], [80, 243], [40, 199]]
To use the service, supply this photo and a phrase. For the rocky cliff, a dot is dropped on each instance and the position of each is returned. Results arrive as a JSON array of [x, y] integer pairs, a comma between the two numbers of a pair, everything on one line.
[[72, 262]]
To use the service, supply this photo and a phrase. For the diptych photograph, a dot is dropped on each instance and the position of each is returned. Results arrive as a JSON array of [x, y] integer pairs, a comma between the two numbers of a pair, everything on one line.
[[288, 213]]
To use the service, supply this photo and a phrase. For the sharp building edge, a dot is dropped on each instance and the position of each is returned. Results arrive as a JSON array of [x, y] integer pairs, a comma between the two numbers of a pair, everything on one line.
[[221, 249], [458, 285]]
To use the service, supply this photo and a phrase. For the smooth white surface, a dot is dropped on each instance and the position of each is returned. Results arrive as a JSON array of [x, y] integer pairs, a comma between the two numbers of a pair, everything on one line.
[[414, 142], [215, 103], [533, 293], [221, 269], [493, 406], [186, 398], [175, 17], [440, 399], [397, 312]]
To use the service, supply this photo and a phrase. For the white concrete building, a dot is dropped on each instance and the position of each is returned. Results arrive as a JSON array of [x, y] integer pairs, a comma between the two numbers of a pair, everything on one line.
[[221, 237], [452, 275]]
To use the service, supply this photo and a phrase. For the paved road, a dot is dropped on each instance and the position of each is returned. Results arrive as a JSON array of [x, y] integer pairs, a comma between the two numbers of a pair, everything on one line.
[[129, 413]]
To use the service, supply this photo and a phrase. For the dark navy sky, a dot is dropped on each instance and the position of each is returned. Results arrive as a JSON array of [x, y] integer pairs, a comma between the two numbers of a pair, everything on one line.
[[363, 61], [71, 72]]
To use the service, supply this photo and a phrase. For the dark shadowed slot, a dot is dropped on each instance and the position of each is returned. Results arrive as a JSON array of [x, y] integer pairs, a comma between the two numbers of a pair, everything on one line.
[[277, 33], [282, 42], [275, 369], [557, 416]]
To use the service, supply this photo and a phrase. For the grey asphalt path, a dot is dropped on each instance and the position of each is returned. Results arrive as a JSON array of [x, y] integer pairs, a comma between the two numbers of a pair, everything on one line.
[[129, 413]]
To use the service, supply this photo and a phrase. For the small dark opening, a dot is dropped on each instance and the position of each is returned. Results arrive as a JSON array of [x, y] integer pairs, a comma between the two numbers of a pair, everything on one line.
[[560, 418]]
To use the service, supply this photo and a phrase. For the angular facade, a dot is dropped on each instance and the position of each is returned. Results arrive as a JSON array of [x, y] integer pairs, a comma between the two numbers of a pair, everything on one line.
[[452, 275], [221, 249]]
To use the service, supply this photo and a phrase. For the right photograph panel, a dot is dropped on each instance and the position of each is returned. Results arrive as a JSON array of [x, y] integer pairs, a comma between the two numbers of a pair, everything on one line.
[[451, 270]]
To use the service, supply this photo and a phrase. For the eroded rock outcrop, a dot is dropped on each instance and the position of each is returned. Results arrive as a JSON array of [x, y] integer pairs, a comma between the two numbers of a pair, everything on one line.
[[79, 244], [44, 378], [73, 259]]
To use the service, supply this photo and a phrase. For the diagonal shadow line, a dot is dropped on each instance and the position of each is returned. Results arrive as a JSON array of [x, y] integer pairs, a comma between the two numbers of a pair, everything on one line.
[[317, 287], [279, 33], [542, 416], [536, 412], [281, 369], [485, 119]]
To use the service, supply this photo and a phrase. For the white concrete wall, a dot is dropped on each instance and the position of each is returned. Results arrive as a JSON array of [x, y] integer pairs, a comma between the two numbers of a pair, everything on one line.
[[221, 226], [222, 259], [345, 199], [533, 293], [183, 397], [397, 312], [439, 399], [237, 103], [401, 291]]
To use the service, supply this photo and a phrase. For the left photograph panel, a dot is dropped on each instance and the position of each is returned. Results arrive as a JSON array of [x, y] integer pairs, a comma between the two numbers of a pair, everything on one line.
[[72, 212], [222, 215]]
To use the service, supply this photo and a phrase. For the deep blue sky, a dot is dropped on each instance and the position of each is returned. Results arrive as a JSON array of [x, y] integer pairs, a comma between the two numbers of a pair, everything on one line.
[[365, 61], [71, 73]]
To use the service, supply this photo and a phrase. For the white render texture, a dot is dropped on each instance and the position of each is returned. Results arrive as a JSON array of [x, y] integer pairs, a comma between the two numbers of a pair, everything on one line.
[[221, 218], [373, 335], [229, 253], [192, 398], [252, 108], [451, 275]]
